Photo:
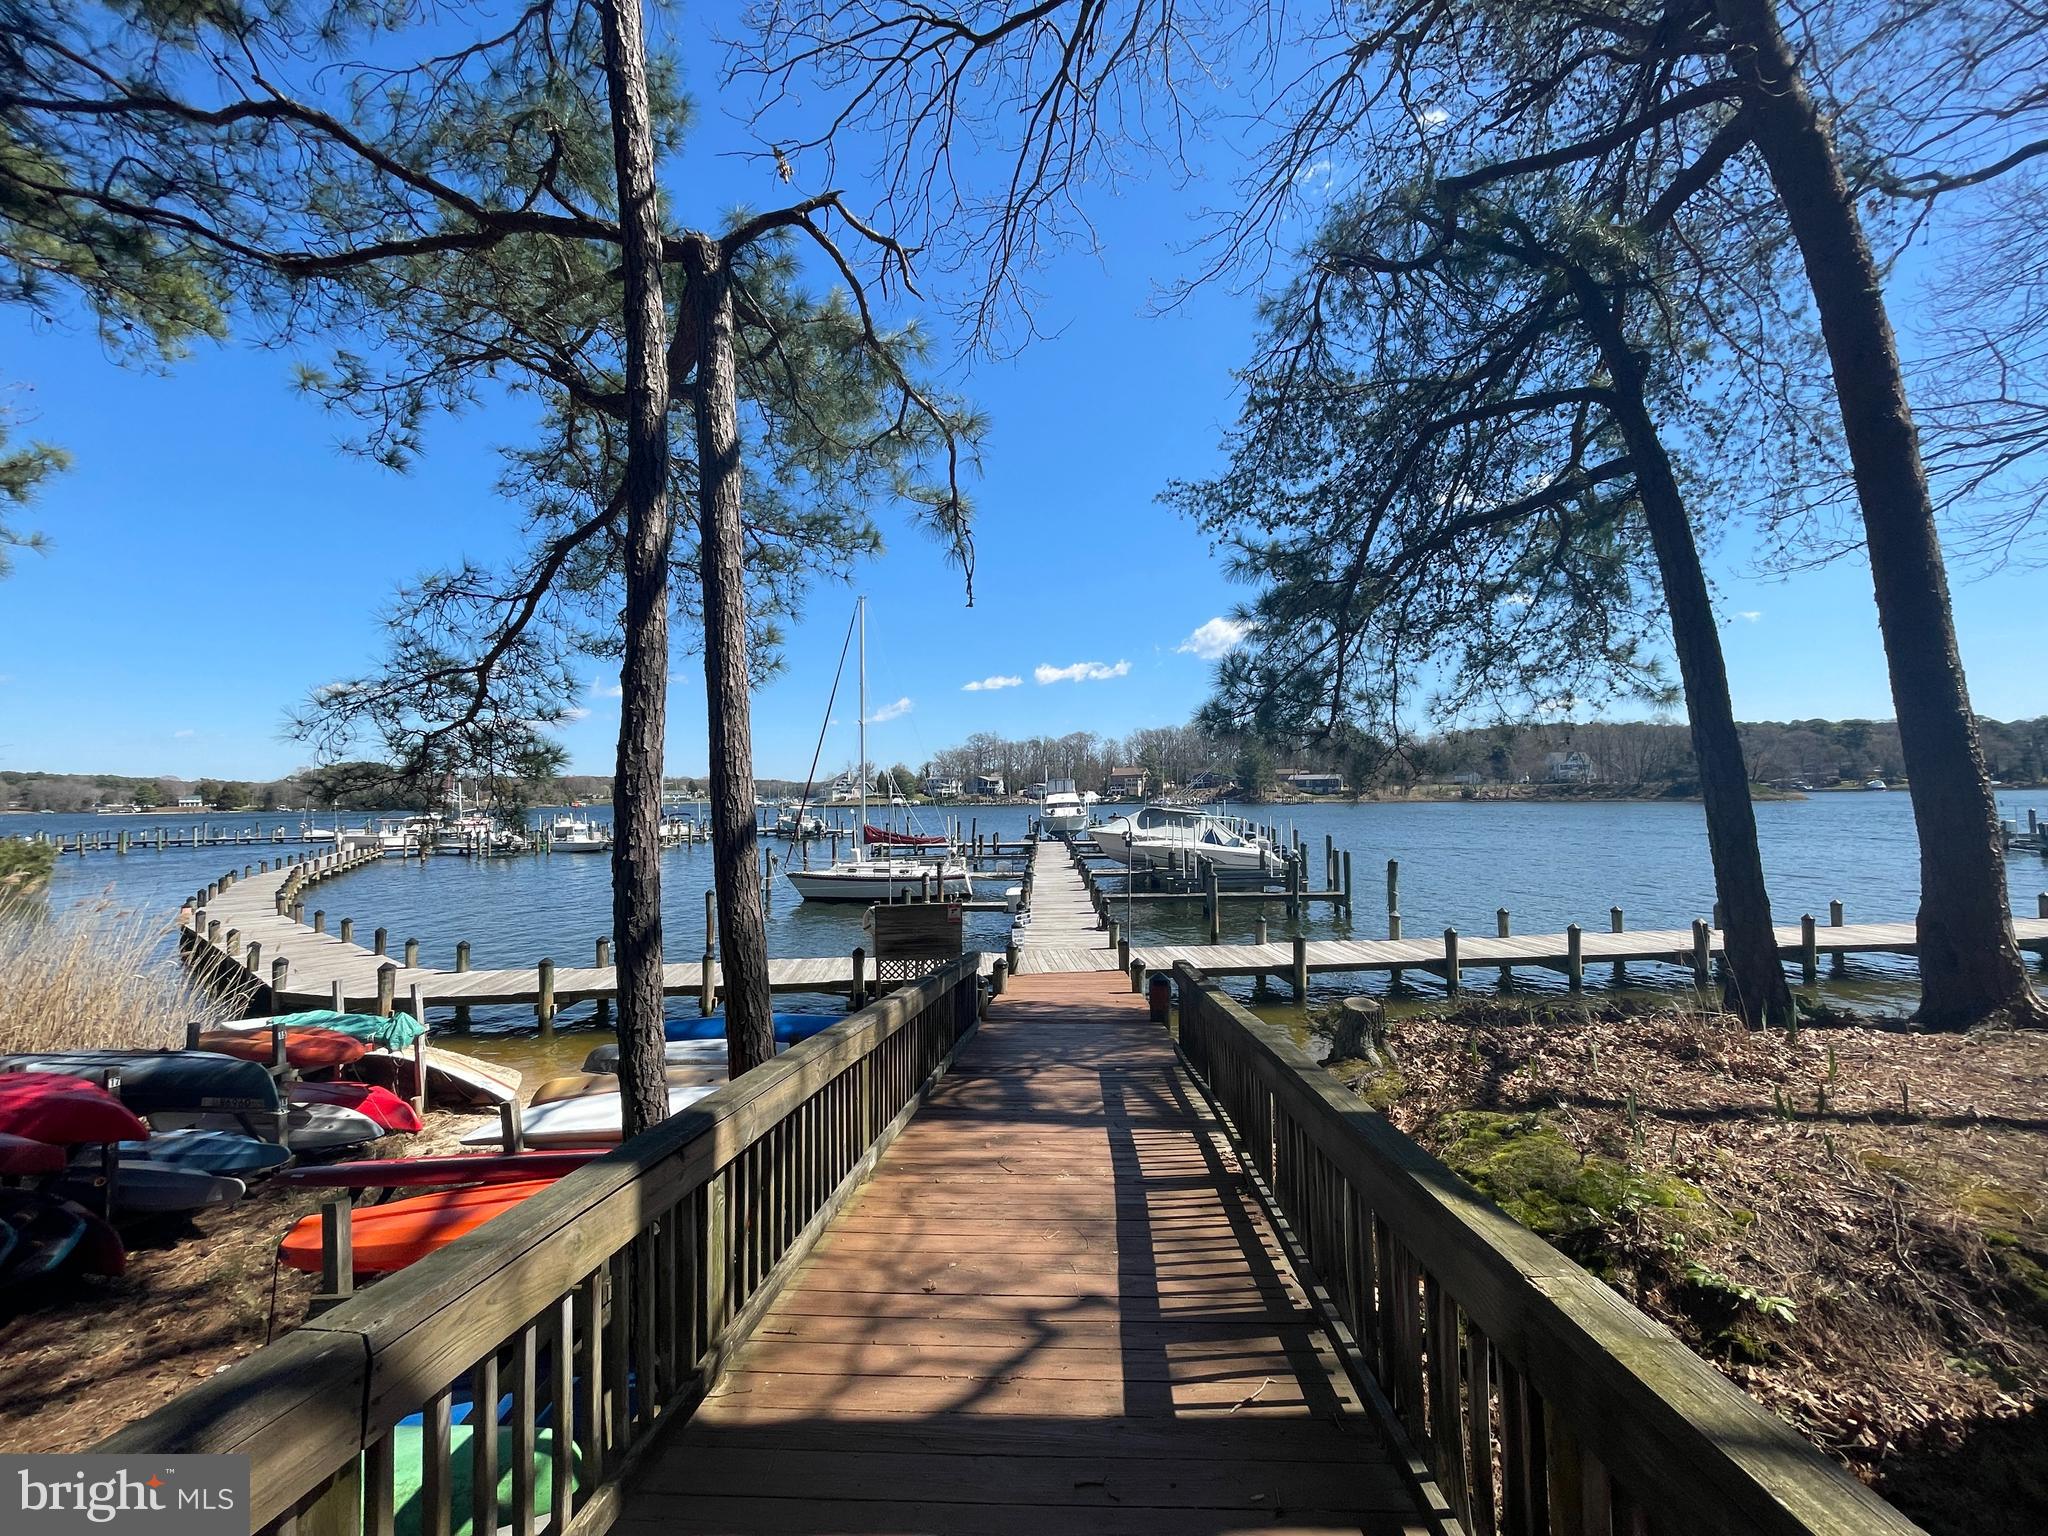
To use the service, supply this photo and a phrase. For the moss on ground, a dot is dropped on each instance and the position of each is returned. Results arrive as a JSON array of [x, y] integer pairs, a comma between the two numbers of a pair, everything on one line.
[[1524, 1164]]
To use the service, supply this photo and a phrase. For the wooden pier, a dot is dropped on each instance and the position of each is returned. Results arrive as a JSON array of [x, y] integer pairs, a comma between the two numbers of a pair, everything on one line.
[[1062, 1270], [256, 926]]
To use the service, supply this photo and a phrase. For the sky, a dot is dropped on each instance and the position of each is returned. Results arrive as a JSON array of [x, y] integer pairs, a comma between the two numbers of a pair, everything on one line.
[[216, 555]]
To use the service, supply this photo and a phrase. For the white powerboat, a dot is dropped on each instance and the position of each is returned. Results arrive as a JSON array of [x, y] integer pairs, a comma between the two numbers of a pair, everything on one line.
[[1062, 812], [794, 825], [892, 877], [578, 834], [1161, 834]]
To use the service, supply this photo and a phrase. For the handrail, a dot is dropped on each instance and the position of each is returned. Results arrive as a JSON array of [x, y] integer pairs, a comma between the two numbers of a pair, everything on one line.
[[1539, 1398], [604, 1306]]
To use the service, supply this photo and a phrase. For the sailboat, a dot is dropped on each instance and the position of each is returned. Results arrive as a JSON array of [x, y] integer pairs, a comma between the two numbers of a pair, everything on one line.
[[890, 877]]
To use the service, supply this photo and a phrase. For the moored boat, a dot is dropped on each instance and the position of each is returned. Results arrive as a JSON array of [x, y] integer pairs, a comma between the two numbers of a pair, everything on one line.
[[1161, 834]]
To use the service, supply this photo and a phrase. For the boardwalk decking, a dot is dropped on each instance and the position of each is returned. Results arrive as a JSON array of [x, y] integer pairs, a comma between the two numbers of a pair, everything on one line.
[[1062, 935], [1052, 1310]]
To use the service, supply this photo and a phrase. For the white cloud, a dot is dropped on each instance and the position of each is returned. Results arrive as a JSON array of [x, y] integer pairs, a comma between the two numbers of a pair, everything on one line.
[[1432, 117], [601, 689], [1750, 615], [1079, 672], [1519, 599], [575, 712], [888, 712], [184, 734], [329, 690], [1215, 638], [990, 684]]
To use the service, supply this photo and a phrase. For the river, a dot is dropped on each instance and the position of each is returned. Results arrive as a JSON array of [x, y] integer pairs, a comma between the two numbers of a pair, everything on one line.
[[1550, 863]]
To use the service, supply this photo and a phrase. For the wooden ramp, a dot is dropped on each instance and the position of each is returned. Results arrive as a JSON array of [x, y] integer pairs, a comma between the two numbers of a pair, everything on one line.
[[1051, 1311]]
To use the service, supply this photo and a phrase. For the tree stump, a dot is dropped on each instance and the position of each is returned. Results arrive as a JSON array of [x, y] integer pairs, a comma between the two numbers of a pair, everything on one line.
[[1361, 1033]]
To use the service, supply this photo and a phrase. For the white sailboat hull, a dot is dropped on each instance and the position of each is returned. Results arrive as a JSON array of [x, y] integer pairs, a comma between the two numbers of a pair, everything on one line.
[[871, 883]]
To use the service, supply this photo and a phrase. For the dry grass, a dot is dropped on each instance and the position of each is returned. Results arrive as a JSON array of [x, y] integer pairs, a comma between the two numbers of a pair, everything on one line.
[[95, 976]]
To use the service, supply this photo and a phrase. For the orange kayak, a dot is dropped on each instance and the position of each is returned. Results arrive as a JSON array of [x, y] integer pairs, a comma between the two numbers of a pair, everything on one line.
[[389, 1237], [305, 1046]]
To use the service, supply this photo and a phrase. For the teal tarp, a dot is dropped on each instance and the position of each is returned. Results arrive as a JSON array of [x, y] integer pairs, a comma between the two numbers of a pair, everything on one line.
[[396, 1033]]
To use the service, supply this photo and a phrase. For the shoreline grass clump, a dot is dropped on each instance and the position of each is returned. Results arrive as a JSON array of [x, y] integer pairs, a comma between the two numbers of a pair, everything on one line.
[[93, 977]]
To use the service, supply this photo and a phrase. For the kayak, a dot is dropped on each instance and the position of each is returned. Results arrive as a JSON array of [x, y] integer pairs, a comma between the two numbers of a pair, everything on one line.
[[882, 837], [789, 1027], [380, 1104], [593, 1120], [308, 1127], [452, 1077], [21, 1158], [384, 1238], [209, 1151], [154, 1080], [63, 1111], [677, 1053], [583, 1085], [409, 1478], [303, 1048], [463, 1168], [46, 1231], [396, 1033], [143, 1187]]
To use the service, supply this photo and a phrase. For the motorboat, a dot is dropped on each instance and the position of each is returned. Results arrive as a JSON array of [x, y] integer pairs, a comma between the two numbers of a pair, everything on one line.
[[578, 834], [1162, 834], [894, 876], [678, 828], [1062, 812], [795, 824]]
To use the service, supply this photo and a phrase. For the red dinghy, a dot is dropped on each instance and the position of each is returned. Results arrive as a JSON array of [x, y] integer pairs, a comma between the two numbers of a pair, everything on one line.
[[883, 837], [383, 1238], [304, 1046], [462, 1168], [21, 1158], [380, 1104], [63, 1111]]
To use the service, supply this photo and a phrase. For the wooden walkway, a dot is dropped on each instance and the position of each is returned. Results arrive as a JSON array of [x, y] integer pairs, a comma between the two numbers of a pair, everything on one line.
[[1062, 934], [1052, 1309], [1545, 951], [319, 962]]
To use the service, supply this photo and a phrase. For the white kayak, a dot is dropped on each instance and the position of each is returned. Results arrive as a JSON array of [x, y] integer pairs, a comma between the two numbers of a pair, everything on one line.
[[146, 1188], [592, 1119], [308, 1127], [676, 1053], [452, 1077]]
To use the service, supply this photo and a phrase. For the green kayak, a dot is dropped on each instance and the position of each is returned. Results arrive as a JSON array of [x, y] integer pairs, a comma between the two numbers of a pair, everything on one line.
[[396, 1033]]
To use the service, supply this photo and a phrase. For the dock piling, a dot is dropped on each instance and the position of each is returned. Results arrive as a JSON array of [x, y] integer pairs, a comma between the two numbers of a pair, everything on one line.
[[348, 930], [544, 1003], [857, 998], [462, 955], [1837, 963], [417, 998], [412, 953], [1300, 969], [1702, 954], [319, 919], [387, 989], [1574, 958], [338, 997], [280, 970], [1809, 951], [380, 941], [1503, 930], [1615, 925], [1451, 961]]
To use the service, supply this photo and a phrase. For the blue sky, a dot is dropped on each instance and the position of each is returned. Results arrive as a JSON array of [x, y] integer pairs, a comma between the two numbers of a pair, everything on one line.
[[215, 556]]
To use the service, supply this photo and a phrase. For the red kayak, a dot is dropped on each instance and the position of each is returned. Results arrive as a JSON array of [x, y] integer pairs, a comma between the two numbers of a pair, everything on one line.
[[380, 1104], [383, 1238], [63, 1111], [462, 1168], [21, 1158], [883, 837], [305, 1046]]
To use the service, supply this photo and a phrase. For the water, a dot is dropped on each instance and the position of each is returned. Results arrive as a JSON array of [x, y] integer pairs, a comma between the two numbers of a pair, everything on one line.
[[1550, 863]]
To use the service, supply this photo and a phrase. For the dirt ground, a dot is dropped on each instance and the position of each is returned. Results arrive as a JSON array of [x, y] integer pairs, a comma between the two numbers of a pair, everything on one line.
[[1850, 1220], [83, 1357]]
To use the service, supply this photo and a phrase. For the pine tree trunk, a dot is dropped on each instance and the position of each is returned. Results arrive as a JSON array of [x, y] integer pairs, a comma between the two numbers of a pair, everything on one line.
[[643, 675], [735, 835], [1970, 965], [1753, 977]]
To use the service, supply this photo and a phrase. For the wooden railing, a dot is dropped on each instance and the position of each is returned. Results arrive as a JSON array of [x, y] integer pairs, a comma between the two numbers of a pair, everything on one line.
[[1537, 1399], [602, 1308]]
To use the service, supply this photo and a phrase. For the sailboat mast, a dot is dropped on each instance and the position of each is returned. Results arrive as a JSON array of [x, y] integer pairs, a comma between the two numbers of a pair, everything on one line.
[[860, 837]]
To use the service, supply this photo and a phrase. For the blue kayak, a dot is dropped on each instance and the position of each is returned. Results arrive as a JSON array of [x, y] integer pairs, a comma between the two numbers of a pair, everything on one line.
[[209, 1151], [789, 1027]]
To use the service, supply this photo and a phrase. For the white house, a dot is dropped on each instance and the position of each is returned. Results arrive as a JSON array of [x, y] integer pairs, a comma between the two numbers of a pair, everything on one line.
[[942, 789], [1569, 768], [191, 803]]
